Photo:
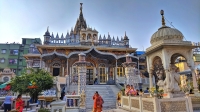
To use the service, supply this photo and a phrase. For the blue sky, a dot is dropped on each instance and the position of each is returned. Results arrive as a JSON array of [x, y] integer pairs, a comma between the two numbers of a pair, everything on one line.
[[139, 18]]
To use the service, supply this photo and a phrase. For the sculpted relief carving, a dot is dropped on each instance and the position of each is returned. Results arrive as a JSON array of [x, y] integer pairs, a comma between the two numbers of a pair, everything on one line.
[[174, 80]]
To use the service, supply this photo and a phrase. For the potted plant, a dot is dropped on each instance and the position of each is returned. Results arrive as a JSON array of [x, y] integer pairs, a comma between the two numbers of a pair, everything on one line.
[[32, 82]]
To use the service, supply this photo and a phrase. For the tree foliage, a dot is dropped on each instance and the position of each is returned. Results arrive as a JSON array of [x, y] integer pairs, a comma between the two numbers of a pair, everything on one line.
[[39, 78]]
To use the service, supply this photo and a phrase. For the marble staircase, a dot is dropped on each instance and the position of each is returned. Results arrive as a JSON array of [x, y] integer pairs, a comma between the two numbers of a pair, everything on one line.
[[107, 92]]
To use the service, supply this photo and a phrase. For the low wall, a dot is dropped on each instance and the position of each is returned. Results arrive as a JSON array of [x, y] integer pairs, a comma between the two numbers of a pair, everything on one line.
[[153, 104]]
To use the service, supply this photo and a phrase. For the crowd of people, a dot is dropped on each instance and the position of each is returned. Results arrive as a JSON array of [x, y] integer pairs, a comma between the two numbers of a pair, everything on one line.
[[130, 91], [19, 105]]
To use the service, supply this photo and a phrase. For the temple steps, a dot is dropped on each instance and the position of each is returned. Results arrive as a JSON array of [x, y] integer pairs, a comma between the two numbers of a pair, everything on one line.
[[107, 92]]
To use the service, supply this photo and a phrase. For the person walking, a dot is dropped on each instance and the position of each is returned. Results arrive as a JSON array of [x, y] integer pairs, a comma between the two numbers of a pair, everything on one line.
[[96, 79], [98, 102], [7, 102], [19, 103]]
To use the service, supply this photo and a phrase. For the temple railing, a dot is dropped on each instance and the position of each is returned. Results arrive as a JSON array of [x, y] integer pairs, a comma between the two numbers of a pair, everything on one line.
[[154, 104], [72, 101]]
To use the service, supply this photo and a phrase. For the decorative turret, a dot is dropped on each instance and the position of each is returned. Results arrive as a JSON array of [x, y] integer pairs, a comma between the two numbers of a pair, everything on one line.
[[71, 32], [80, 23], [100, 38], [52, 36], [57, 36], [104, 37], [117, 39], [47, 36], [62, 36], [109, 39], [113, 40], [126, 41]]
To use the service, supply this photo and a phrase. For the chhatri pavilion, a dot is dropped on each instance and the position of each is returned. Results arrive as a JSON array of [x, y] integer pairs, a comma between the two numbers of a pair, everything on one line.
[[104, 53]]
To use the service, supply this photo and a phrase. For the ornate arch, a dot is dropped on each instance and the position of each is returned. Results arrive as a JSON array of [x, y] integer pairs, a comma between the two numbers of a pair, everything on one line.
[[102, 65], [187, 54], [56, 62], [153, 56]]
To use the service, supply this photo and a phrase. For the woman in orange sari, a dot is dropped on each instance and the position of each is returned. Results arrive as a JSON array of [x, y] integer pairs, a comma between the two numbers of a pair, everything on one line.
[[98, 102], [19, 103]]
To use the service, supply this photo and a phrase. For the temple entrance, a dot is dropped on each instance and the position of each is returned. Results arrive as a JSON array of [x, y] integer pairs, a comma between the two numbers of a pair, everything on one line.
[[102, 75], [56, 71], [89, 76]]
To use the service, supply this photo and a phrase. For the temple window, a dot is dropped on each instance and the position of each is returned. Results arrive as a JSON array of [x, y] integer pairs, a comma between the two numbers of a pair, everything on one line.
[[94, 37], [12, 61], [120, 71], [2, 60], [3, 51], [14, 52], [88, 36], [83, 36]]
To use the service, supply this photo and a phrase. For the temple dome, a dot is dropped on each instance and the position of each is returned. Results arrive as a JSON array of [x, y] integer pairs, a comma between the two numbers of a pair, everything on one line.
[[166, 33]]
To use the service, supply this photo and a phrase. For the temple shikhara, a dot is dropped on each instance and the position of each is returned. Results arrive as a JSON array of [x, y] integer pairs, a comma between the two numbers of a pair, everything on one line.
[[104, 53]]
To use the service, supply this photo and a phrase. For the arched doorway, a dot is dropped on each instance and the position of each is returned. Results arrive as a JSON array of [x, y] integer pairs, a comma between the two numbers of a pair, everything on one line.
[[56, 69], [90, 73], [102, 74], [158, 70]]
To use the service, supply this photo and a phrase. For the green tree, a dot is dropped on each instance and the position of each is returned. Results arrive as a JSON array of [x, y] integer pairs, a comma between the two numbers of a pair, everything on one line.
[[32, 81]]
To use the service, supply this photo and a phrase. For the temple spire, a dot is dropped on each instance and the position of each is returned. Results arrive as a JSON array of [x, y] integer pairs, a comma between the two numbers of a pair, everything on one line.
[[163, 19], [81, 22], [81, 7]]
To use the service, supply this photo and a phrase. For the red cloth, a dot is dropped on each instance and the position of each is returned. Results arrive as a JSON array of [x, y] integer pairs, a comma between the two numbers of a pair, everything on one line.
[[19, 105], [98, 101]]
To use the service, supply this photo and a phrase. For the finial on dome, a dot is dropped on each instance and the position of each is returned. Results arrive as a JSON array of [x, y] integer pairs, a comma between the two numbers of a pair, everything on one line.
[[163, 19], [48, 28]]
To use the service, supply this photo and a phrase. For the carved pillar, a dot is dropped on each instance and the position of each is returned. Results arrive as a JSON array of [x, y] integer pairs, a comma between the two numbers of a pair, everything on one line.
[[129, 69], [151, 78], [115, 77], [40, 62], [194, 79], [67, 67], [168, 88], [81, 64], [63, 70]]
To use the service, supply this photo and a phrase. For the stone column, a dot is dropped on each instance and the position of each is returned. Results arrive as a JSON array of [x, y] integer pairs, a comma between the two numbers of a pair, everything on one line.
[[81, 64], [41, 63], [67, 68], [168, 88], [194, 78], [129, 69], [115, 76], [151, 78]]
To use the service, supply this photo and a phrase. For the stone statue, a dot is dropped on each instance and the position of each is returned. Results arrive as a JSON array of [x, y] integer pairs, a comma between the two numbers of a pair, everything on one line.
[[174, 79], [183, 81], [82, 99], [162, 85], [58, 90]]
